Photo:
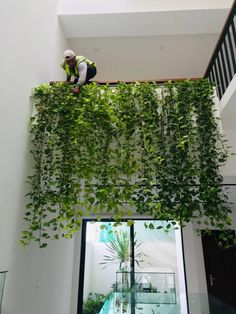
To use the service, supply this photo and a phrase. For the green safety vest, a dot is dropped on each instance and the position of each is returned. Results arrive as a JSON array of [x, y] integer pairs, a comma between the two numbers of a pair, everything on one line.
[[75, 70]]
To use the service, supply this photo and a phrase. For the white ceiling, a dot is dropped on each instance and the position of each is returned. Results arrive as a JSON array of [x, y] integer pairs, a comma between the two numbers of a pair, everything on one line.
[[122, 6], [157, 23]]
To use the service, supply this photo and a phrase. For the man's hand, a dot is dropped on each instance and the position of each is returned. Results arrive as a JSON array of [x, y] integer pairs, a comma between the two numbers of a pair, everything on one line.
[[53, 82], [75, 90]]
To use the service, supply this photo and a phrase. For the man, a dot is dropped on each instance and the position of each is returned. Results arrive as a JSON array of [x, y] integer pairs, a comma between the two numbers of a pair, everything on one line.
[[78, 67]]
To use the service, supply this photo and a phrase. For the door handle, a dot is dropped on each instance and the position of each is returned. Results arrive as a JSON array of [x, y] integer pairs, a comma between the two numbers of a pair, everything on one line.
[[212, 280]]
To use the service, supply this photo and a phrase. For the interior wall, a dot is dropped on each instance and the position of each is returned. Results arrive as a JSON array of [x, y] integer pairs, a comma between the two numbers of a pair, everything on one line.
[[230, 167], [32, 44], [228, 113], [227, 106], [195, 272]]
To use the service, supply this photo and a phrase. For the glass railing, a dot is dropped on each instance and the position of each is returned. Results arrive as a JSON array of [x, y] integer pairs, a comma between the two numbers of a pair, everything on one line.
[[2, 281], [148, 287], [142, 292], [222, 66]]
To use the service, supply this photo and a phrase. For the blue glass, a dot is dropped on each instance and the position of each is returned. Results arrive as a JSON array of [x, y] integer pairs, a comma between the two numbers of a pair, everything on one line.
[[106, 234]]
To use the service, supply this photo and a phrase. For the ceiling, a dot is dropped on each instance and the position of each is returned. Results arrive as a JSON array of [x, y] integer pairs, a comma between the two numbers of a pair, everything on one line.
[[207, 21], [144, 45]]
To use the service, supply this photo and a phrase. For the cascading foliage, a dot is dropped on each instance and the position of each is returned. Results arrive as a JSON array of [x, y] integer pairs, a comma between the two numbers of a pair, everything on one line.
[[153, 150]]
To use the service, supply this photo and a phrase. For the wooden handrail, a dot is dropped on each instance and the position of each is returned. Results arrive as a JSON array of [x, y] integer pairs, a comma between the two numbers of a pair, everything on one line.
[[158, 81]]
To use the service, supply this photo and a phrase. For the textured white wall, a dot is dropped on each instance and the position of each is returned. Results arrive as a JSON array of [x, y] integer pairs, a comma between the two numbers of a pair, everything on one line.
[[32, 44]]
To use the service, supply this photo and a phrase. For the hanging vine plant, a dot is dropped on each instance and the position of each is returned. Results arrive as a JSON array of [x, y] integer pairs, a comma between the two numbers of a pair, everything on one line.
[[155, 150]]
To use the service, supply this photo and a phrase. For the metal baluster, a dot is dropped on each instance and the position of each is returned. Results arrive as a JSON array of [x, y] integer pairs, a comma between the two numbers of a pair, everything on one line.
[[232, 52], [227, 57]]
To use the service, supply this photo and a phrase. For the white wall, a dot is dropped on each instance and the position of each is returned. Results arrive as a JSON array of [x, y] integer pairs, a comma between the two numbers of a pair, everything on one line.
[[230, 168], [227, 106], [32, 44], [195, 272], [228, 114]]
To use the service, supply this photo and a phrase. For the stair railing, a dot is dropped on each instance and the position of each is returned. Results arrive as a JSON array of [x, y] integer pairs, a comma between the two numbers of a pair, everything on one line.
[[222, 65]]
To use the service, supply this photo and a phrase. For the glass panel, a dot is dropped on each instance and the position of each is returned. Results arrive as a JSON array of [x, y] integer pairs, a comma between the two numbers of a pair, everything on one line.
[[156, 284], [160, 275], [107, 252], [2, 281]]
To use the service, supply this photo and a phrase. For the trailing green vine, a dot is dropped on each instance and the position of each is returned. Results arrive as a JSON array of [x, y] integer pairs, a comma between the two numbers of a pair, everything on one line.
[[154, 150]]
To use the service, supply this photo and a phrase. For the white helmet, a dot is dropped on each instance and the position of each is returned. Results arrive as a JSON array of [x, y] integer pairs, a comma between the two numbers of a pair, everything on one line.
[[69, 54]]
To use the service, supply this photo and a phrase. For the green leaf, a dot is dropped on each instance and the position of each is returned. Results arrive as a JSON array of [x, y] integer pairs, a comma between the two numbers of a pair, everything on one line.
[[130, 223], [43, 245], [151, 226], [139, 148]]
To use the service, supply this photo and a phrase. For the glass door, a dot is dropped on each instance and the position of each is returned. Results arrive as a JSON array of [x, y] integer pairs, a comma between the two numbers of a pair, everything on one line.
[[131, 269]]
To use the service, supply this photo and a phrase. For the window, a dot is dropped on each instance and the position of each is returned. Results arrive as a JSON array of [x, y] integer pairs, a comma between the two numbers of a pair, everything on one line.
[[131, 269]]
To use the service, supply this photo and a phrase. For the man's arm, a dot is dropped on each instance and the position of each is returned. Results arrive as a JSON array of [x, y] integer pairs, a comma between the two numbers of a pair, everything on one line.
[[82, 73]]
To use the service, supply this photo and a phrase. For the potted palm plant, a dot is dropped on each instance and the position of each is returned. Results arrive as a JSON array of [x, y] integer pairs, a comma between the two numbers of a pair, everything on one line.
[[119, 251]]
